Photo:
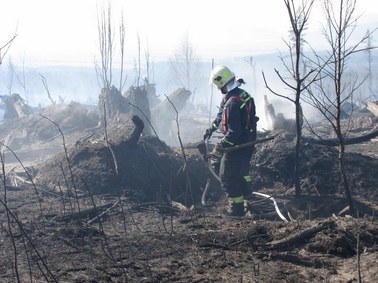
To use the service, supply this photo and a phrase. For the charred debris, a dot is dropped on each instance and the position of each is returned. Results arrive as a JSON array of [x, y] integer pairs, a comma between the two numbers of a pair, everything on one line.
[[119, 147]]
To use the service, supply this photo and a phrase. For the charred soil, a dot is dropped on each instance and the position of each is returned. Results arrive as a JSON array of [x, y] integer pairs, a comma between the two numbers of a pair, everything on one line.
[[120, 206]]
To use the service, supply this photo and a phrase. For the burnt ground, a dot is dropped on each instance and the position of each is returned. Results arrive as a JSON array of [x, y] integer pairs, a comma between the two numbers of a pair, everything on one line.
[[125, 210]]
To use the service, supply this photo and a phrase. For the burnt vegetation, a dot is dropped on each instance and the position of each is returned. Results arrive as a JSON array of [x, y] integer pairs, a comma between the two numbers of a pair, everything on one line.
[[92, 198], [103, 194]]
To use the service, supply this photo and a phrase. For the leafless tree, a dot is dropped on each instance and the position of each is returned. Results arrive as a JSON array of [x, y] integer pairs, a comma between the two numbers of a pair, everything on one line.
[[104, 70], [11, 72], [297, 81], [106, 46], [5, 48], [334, 89], [122, 33], [369, 47], [22, 81], [149, 71], [138, 64], [106, 39], [184, 64], [46, 86]]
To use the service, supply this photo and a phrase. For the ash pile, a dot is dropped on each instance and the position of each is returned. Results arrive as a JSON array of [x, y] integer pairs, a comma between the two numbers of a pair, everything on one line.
[[113, 148]]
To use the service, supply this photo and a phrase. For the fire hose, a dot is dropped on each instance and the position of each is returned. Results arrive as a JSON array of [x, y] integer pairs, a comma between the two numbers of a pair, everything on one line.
[[275, 205], [203, 149]]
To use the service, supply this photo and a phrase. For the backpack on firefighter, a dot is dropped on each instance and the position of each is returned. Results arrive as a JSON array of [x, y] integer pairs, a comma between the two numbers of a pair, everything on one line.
[[247, 105]]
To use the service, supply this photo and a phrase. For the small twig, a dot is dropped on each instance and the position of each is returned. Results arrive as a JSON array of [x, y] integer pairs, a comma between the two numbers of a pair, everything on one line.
[[44, 81], [186, 169], [10, 232], [39, 256], [68, 190], [358, 258], [107, 251], [132, 218], [108, 145], [98, 216], [67, 159], [29, 176], [6, 46], [62, 198]]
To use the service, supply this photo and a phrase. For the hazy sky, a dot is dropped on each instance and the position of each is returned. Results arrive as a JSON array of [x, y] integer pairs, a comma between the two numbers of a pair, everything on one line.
[[65, 31]]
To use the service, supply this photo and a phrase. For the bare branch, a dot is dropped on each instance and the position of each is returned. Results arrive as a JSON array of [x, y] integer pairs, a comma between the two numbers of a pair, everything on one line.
[[274, 92], [184, 64], [106, 45], [6, 47], [122, 80], [44, 81]]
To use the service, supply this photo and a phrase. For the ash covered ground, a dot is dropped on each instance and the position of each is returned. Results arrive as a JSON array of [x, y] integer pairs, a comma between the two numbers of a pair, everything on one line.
[[81, 204]]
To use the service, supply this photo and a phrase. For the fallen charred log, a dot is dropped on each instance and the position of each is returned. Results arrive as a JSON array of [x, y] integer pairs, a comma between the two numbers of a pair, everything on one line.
[[335, 142], [299, 236], [273, 163]]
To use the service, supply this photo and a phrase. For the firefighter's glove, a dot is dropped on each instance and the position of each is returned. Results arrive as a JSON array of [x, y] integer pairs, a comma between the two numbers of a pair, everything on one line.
[[217, 151], [203, 150], [208, 133]]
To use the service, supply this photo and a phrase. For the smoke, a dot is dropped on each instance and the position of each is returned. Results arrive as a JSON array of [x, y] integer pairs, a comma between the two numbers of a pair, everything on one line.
[[80, 84]]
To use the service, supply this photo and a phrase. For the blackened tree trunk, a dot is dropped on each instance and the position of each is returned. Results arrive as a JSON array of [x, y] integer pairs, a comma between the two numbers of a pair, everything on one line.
[[299, 16], [298, 123], [344, 178], [332, 88]]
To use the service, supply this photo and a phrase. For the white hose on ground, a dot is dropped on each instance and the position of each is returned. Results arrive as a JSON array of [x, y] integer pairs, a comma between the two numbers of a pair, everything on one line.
[[275, 205], [209, 164], [205, 191]]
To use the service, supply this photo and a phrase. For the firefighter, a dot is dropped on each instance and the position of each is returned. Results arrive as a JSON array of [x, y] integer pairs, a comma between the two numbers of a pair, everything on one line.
[[237, 120]]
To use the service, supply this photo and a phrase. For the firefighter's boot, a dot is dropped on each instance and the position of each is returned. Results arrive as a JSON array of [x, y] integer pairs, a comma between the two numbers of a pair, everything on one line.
[[236, 206], [247, 187]]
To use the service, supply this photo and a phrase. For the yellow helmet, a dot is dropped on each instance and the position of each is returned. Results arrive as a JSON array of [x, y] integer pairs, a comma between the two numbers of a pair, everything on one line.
[[221, 75]]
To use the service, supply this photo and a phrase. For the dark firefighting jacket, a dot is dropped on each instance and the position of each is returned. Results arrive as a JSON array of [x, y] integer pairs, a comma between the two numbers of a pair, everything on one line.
[[238, 118]]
